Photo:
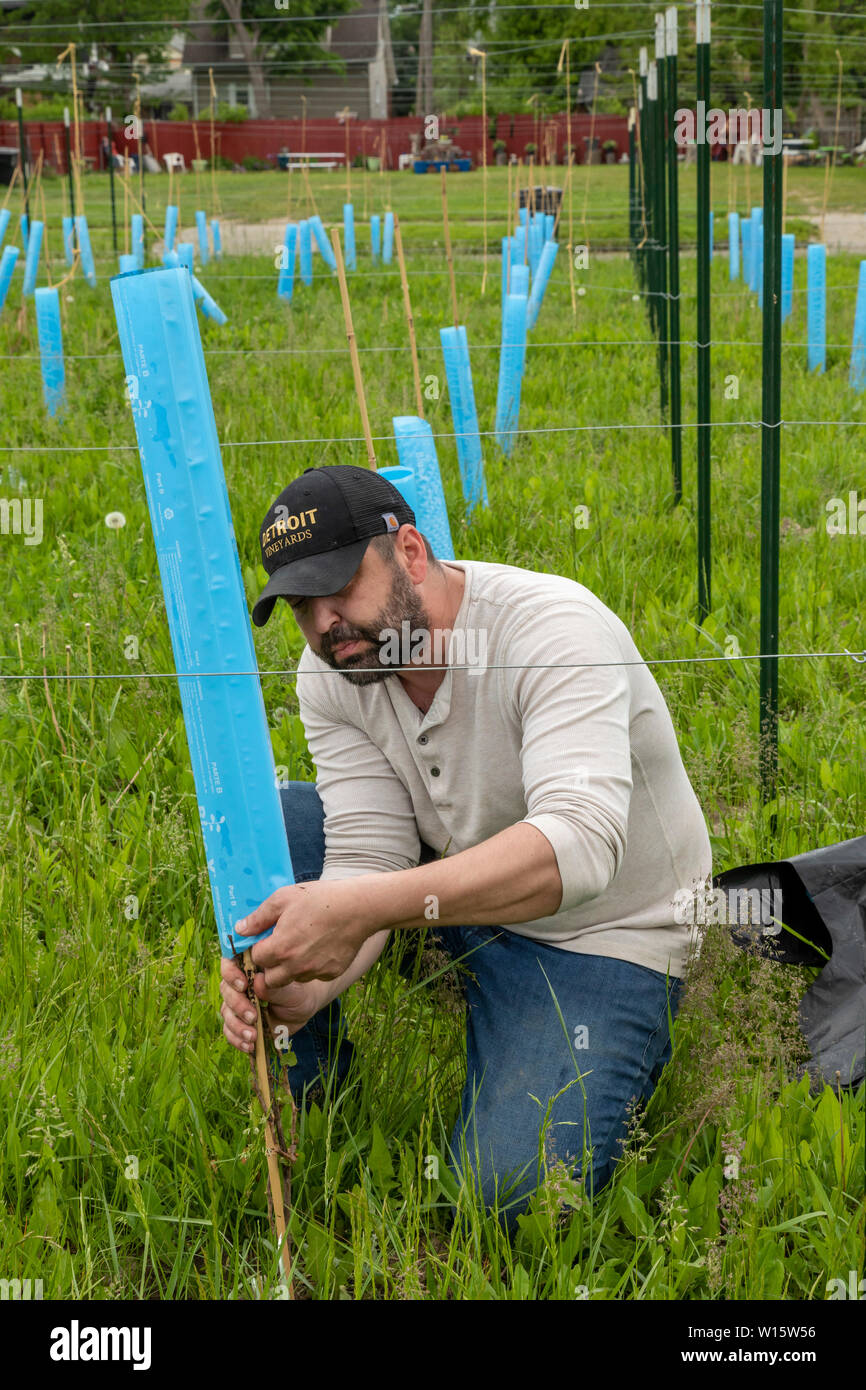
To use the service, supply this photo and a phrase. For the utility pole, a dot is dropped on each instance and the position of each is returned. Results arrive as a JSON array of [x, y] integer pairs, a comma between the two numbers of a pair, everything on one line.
[[424, 88]]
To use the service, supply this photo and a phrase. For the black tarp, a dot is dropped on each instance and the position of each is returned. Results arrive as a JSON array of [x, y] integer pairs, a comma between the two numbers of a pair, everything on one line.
[[823, 897]]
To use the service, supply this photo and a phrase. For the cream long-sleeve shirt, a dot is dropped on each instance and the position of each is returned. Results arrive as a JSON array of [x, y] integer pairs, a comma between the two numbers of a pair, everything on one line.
[[586, 753]]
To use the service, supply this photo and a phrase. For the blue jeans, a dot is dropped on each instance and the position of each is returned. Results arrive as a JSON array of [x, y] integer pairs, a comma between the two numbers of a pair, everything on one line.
[[611, 1042]]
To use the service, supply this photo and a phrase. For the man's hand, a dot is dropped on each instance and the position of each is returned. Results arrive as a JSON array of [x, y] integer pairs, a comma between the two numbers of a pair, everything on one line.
[[293, 1005], [319, 931]]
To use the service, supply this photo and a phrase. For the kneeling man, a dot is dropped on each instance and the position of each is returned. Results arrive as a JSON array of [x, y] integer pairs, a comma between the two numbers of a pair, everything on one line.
[[493, 758]]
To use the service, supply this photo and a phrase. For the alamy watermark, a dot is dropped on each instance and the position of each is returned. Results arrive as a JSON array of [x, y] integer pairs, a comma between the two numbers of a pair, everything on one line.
[[421, 647], [731, 907], [22, 516], [739, 125]]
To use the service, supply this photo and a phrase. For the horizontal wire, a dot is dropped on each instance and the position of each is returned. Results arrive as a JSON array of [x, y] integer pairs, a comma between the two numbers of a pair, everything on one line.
[[859, 657], [433, 348], [444, 434], [409, 10]]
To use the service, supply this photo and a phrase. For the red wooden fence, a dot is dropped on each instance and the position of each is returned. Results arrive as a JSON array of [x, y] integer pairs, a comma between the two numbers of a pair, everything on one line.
[[264, 139]]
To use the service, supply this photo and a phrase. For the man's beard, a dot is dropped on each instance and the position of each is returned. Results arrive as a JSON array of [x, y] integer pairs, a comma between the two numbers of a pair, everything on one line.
[[402, 605]]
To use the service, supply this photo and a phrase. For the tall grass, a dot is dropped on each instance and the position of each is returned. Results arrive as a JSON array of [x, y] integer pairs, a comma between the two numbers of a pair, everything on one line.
[[132, 1160]]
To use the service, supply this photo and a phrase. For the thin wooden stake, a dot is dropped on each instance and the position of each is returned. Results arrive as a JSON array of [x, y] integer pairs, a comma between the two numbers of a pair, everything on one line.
[[831, 162], [215, 208], [407, 304], [591, 150], [353, 346], [275, 1179], [197, 164], [448, 255], [748, 160], [306, 173], [479, 53]]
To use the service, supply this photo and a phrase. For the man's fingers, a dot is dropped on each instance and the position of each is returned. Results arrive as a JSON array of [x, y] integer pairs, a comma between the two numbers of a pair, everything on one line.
[[266, 914], [232, 975], [238, 1005], [236, 1032]]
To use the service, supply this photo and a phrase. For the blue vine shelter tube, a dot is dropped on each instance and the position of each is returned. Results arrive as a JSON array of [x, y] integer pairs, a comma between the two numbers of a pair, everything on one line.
[[787, 275], [349, 236], [733, 245], [816, 306], [388, 239], [201, 226], [7, 265], [416, 450], [230, 748], [31, 263], [305, 253], [138, 238], [403, 479], [171, 216], [82, 232], [539, 281], [324, 245], [50, 335], [68, 240], [858, 348], [286, 282], [512, 356], [458, 371]]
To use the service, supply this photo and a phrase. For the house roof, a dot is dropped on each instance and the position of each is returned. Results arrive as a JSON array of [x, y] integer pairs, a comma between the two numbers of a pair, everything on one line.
[[354, 38]]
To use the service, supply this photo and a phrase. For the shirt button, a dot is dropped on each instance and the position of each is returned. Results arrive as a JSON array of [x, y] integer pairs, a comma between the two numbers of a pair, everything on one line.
[[434, 772], [423, 738]]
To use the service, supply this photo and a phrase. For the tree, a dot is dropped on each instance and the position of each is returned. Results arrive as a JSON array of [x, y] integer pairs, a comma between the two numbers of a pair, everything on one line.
[[109, 42], [267, 44]]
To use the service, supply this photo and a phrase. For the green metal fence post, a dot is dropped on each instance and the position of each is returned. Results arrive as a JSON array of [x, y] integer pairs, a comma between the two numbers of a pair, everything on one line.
[[674, 255], [771, 406], [702, 38]]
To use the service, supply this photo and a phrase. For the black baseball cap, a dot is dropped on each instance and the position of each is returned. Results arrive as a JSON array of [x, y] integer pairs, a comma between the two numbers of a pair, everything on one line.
[[316, 532]]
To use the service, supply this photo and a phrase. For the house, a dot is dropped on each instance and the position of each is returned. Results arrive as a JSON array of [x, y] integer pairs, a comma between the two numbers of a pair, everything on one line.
[[361, 40]]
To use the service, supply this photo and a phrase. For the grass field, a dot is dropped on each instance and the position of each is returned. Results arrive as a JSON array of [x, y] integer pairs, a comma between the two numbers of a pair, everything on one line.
[[132, 1162]]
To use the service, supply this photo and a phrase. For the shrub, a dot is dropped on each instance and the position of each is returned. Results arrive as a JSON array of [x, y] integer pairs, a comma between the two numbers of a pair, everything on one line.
[[179, 112]]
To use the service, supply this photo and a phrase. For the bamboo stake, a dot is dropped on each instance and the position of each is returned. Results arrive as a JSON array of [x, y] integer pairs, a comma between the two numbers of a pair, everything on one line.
[[748, 159], [306, 173], [569, 159], [304, 151], [448, 255], [407, 304], [479, 53], [139, 128], [353, 346], [197, 165], [15, 173], [127, 189], [214, 197], [365, 172], [508, 233], [831, 162], [124, 178], [275, 1179], [591, 151], [41, 192], [785, 190]]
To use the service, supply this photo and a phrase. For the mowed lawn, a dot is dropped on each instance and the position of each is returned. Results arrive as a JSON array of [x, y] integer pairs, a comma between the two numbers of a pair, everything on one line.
[[132, 1159]]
